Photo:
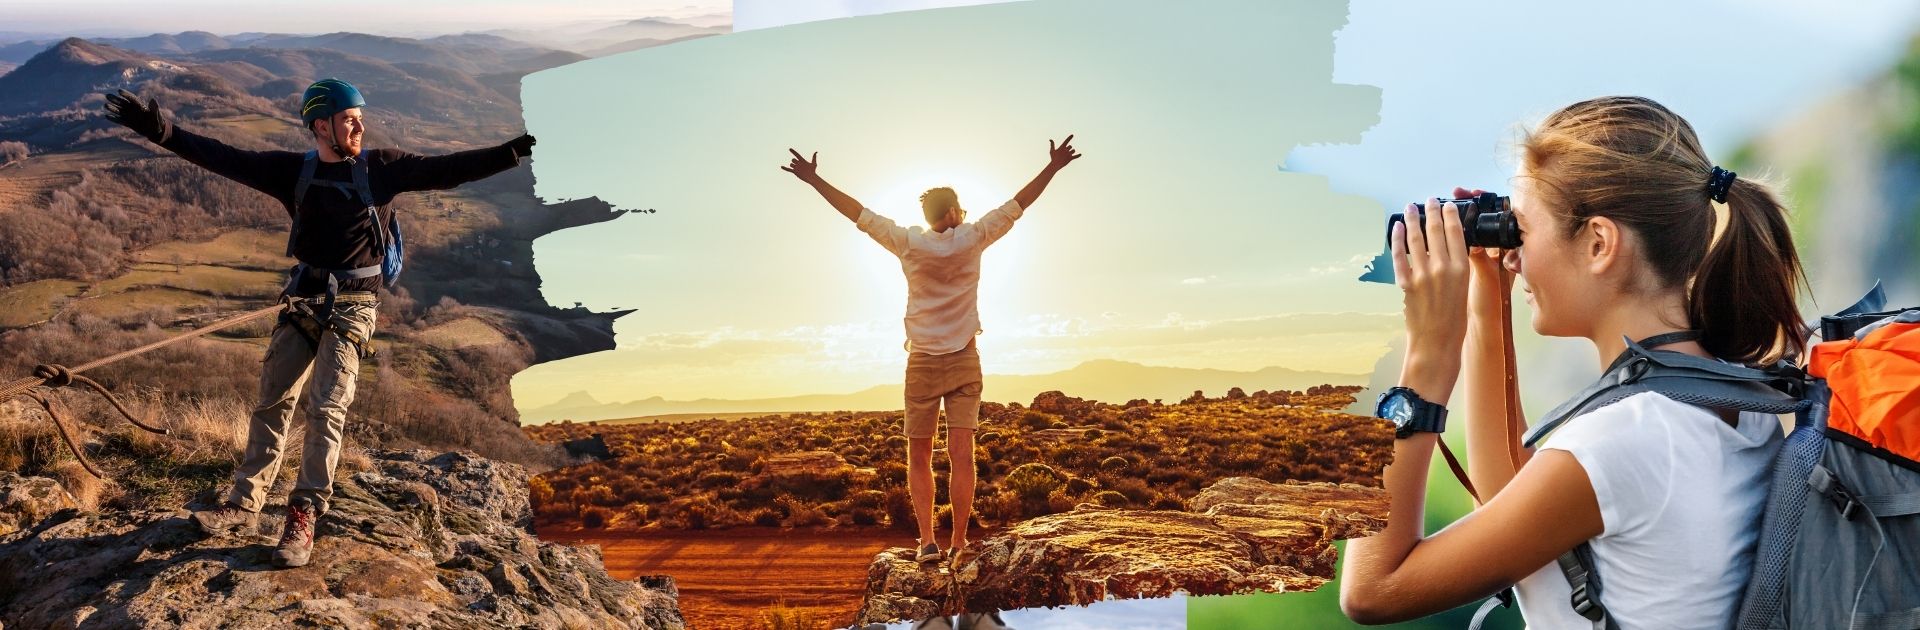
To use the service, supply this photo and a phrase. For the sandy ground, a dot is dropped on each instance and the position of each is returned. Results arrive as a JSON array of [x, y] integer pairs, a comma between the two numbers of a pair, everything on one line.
[[727, 577]]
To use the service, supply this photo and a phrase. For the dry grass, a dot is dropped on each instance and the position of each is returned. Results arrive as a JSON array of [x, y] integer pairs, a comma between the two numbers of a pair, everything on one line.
[[28, 443], [353, 458], [780, 616], [462, 333], [1030, 461], [87, 490], [205, 441]]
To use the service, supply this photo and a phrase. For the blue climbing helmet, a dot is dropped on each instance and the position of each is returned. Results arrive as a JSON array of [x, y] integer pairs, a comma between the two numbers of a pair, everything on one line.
[[327, 97]]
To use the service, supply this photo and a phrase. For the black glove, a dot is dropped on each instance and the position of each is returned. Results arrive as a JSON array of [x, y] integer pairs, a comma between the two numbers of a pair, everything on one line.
[[125, 109], [522, 146]]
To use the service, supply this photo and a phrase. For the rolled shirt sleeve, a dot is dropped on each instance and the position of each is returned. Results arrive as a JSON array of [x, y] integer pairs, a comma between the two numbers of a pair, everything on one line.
[[996, 223], [884, 231]]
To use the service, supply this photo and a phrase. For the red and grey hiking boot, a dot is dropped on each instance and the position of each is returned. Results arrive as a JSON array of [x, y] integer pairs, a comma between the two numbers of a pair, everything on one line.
[[296, 540], [226, 518]]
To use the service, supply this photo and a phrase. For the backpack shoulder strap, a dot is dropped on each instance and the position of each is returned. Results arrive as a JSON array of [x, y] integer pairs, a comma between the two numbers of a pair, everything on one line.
[[1684, 378], [1577, 565], [362, 187], [307, 166]]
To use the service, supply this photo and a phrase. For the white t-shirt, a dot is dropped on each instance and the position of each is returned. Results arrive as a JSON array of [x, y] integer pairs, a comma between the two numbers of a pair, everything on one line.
[[943, 274], [1680, 494]]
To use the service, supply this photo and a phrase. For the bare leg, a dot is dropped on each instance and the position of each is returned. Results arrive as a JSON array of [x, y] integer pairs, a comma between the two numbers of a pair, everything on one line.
[[960, 478], [920, 484]]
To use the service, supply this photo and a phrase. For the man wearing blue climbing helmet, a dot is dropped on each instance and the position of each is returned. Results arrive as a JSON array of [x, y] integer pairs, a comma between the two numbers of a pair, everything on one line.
[[347, 242], [338, 106]]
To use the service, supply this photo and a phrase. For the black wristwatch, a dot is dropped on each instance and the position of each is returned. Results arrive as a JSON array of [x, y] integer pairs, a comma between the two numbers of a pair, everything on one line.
[[1409, 413]]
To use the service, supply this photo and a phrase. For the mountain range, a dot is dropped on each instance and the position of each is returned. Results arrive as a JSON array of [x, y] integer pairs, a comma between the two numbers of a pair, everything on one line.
[[501, 50], [1104, 380]]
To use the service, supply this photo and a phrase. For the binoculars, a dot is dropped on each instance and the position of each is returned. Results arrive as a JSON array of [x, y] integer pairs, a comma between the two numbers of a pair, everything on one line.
[[1487, 219]]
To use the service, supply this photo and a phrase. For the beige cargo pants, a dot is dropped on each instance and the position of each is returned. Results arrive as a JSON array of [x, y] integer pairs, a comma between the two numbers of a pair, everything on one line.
[[335, 366]]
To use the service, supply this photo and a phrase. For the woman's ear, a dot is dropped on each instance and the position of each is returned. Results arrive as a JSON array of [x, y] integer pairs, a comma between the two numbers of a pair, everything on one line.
[[1604, 244]]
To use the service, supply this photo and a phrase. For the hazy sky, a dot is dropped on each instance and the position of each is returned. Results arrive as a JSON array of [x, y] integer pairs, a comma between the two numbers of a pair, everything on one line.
[[752, 14], [412, 17], [1175, 241]]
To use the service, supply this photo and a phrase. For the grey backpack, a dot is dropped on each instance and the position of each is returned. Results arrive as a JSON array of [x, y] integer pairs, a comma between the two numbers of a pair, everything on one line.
[[1840, 541]]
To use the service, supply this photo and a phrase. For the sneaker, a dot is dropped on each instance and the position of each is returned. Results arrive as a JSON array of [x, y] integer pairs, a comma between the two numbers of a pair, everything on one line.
[[296, 541], [983, 621], [959, 555], [226, 518], [929, 552], [935, 623]]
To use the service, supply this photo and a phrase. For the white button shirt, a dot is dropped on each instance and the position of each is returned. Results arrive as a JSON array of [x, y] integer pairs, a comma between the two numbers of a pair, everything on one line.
[[943, 274]]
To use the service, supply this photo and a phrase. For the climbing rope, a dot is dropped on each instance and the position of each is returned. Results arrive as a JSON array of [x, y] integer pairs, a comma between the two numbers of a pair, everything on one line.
[[48, 377]]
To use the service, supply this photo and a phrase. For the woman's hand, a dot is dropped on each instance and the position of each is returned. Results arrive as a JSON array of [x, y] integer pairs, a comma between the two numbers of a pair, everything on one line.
[[1483, 298], [1430, 264]]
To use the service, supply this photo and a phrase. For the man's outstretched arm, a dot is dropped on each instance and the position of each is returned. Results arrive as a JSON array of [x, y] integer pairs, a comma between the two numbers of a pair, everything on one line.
[[271, 172], [412, 172], [1057, 158], [808, 171], [883, 230], [995, 224]]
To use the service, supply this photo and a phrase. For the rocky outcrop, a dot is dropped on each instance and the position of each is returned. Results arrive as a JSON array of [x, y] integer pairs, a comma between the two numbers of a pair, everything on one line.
[[27, 500], [1240, 535], [802, 464], [1060, 404], [423, 540]]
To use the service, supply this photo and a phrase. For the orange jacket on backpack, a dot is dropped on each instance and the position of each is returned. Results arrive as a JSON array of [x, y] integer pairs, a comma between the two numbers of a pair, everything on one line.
[[1873, 379]]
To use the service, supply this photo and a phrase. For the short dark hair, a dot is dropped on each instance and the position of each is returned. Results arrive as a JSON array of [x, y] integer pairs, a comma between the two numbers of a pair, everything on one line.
[[936, 201]]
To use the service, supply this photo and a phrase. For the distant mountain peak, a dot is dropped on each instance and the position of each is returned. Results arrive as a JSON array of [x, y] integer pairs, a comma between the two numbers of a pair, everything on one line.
[[80, 51], [577, 399]]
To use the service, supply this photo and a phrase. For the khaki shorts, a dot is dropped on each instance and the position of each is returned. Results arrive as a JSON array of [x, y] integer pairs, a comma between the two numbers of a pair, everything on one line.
[[931, 378]]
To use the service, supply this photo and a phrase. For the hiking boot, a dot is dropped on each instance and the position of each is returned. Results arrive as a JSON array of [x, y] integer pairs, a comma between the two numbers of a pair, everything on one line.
[[226, 518], [296, 540], [935, 623], [982, 621]]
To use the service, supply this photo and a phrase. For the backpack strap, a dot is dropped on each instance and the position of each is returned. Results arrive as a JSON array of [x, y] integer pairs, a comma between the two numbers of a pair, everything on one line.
[[1578, 567], [1502, 599], [1684, 378], [362, 188], [307, 166]]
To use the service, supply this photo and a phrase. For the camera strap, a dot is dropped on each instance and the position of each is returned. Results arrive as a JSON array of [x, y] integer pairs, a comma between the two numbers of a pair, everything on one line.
[[1510, 403]]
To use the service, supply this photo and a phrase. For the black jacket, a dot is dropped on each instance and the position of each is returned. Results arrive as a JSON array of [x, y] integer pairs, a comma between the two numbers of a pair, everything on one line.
[[335, 232]]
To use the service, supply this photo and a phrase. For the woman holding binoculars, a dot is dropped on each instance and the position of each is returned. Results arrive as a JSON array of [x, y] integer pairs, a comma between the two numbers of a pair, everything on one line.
[[1626, 231]]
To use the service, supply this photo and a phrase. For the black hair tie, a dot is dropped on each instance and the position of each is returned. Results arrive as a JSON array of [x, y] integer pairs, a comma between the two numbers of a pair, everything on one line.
[[1718, 183]]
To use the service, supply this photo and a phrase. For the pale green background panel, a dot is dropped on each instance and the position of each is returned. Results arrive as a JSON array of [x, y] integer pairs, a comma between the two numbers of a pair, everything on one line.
[[749, 285]]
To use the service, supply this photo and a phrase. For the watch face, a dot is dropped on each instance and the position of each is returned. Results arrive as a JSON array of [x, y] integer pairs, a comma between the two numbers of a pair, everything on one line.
[[1397, 408]]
